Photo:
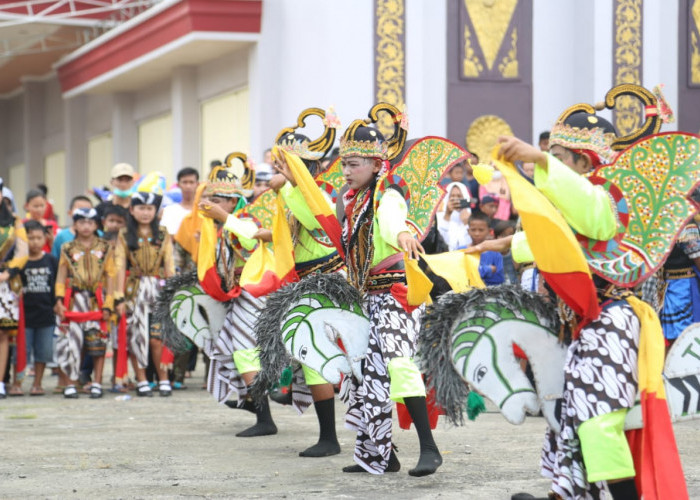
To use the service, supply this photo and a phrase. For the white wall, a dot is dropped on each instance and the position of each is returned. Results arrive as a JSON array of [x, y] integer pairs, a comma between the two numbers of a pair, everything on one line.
[[661, 51], [426, 67], [571, 57], [311, 53]]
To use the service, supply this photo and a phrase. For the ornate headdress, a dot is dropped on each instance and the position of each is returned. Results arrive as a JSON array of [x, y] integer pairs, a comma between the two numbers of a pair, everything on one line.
[[580, 129], [299, 144], [150, 190], [223, 182], [85, 213], [361, 140]]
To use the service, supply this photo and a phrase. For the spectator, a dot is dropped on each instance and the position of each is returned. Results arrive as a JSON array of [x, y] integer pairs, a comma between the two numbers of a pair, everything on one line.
[[490, 263], [68, 233], [501, 229], [122, 182], [499, 191], [187, 181], [544, 141], [38, 273], [49, 214], [263, 174], [489, 205], [36, 208], [453, 218]]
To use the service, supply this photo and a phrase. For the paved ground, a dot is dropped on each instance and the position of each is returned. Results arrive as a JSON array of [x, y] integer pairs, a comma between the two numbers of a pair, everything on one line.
[[185, 447]]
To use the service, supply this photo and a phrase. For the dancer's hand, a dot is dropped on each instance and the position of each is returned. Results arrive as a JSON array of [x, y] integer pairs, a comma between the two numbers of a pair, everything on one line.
[[280, 164], [213, 211], [60, 310], [410, 245], [513, 149], [277, 181], [263, 235], [498, 245]]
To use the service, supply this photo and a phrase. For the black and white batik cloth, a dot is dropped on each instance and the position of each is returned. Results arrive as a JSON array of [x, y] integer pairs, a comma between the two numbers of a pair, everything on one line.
[[138, 323], [71, 336], [237, 334], [9, 305], [392, 334], [600, 377]]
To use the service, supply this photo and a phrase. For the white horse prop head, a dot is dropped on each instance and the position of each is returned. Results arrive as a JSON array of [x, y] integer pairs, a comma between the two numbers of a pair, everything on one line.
[[318, 322], [185, 310], [468, 339]]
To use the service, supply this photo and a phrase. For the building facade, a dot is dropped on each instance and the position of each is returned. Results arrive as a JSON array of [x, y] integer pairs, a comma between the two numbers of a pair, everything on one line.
[[188, 81]]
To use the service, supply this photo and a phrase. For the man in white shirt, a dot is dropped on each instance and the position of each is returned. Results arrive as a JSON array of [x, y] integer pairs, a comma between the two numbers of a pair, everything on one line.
[[187, 180]]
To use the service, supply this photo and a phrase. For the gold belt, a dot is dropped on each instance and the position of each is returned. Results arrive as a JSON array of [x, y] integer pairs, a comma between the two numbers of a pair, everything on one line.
[[382, 282], [331, 265], [679, 274]]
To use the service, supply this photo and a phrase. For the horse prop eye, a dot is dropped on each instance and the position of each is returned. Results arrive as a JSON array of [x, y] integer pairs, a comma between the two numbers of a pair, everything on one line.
[[480, 373], [302, 353]]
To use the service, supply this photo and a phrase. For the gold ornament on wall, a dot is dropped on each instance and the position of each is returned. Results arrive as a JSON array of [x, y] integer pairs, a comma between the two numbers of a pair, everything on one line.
[[390, 57], [509, 63], [472, 66], [483, 134], [628, 60]]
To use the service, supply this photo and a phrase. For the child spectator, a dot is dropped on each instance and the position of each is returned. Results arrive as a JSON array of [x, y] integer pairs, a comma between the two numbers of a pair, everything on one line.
[[113, 220], [83, 300], [501, 229], [68, 233], [36, 208], [491, 263], [489, 205], [38, 273]]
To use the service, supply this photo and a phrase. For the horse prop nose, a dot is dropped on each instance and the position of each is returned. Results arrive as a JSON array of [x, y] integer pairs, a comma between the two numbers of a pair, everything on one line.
[[514, 408]]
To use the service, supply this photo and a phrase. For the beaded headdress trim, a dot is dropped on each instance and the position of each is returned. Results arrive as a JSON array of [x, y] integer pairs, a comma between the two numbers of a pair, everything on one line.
[[582, 138]]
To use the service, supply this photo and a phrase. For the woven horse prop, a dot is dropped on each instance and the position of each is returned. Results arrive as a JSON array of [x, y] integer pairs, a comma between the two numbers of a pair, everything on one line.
[[186, 311], [474, 347], [307, 322]]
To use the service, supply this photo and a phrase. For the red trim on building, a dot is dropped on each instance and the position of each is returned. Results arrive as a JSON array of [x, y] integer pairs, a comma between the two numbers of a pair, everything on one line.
[[219, 16]]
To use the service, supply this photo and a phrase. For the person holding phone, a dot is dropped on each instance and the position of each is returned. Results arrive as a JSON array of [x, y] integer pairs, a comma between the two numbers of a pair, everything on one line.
[[453, 216]]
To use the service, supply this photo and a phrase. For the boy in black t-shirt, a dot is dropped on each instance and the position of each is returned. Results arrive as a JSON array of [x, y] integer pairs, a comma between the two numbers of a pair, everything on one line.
[[38, 273]]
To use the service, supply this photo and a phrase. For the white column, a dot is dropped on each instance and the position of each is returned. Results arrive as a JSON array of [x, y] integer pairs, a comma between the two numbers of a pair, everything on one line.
[[186, 119], [75, 137], [32, 136], [125, 133], [426, 73], [660, 51]]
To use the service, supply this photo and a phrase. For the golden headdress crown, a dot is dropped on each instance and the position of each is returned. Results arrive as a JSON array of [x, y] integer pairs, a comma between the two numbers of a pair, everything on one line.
[[360, 139], [289, 140]]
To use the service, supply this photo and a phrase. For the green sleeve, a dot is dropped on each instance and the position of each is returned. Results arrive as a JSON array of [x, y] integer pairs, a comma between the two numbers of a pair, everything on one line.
[[296, 203], [520, 248], [587, 208], [244, 230], [391, 217]]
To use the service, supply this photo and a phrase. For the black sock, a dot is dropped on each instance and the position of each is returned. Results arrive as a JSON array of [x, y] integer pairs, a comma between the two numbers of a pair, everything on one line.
[[624, 490], [327, 440], [264, 425], [430, 458]]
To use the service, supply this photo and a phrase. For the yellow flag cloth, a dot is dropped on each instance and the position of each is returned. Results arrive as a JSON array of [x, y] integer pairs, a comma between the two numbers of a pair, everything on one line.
[[557, 253], [417, 282], [459, 269]]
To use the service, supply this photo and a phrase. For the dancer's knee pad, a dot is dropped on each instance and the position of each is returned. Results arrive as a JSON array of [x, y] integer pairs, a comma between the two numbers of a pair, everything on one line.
[[606, 452], [405, 379]]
